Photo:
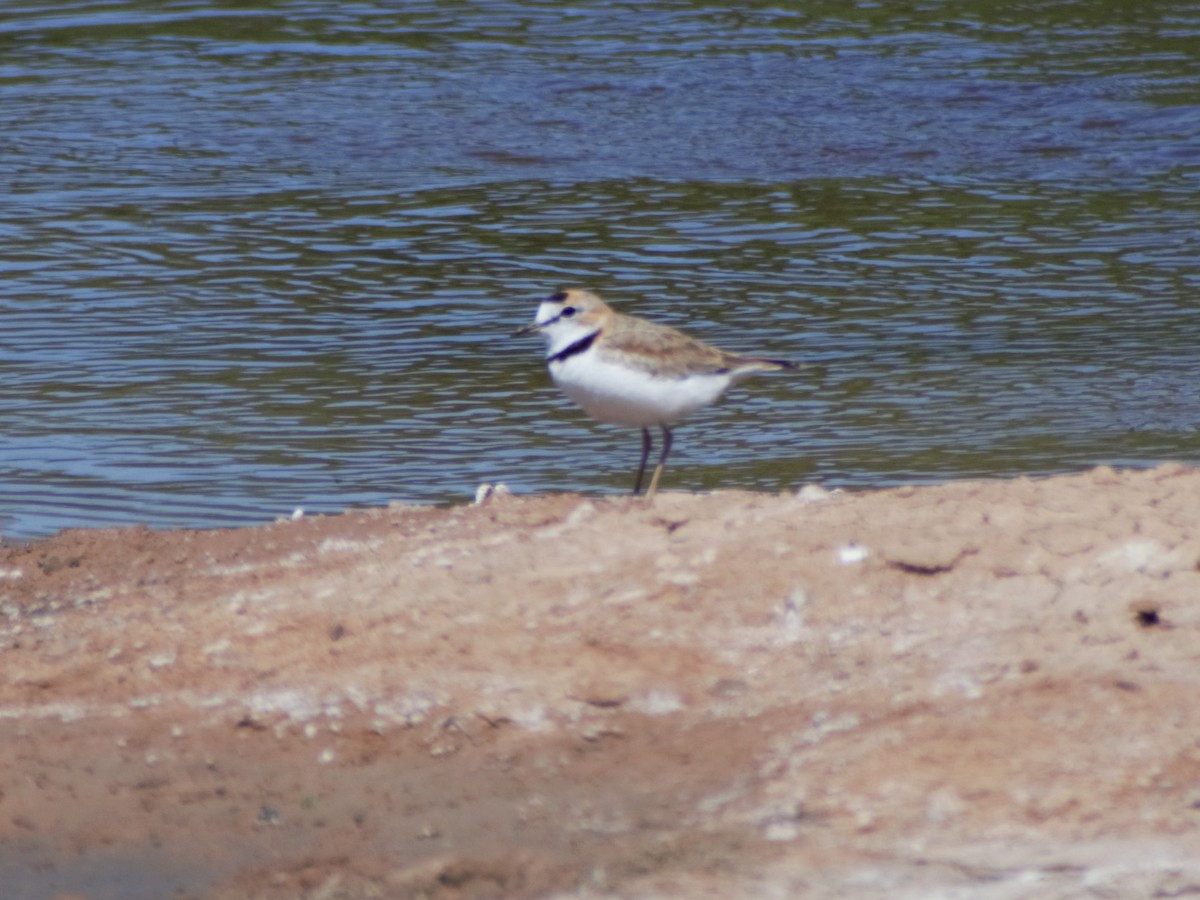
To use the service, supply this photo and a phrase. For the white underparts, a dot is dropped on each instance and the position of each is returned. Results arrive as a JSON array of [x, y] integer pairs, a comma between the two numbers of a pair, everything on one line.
[[625, 395]]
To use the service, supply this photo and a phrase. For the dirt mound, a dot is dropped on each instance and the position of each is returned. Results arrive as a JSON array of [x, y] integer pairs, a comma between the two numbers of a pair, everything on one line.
[[984, 687]]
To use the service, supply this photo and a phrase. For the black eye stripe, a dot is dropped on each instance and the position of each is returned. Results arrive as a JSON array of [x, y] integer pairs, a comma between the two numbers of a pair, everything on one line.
[[560, 297]]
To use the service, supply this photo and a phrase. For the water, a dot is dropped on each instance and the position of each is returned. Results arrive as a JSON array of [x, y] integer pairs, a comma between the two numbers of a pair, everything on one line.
[[257, 255]]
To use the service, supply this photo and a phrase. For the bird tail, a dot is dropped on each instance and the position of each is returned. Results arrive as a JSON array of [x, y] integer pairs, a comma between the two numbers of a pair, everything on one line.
[[748, 365], [745, 366]]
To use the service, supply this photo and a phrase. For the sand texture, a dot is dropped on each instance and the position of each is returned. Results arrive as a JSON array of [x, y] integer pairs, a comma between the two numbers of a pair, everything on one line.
[[981, 689]]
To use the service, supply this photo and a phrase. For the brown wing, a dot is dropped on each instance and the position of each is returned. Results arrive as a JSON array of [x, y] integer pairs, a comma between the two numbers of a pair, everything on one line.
[[673, 353]]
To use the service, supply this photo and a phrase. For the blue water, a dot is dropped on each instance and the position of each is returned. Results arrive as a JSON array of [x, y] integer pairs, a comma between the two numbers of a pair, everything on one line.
[[270, 255]]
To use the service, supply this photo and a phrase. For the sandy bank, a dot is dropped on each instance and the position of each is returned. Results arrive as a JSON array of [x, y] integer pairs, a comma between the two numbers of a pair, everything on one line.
[[981, 687]]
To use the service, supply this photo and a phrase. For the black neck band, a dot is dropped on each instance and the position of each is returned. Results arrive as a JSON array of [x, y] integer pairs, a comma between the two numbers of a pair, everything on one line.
[[577, 347]]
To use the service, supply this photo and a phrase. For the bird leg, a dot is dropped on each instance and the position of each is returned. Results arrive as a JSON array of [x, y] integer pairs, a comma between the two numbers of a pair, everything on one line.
[[662, 461], [637, 485]]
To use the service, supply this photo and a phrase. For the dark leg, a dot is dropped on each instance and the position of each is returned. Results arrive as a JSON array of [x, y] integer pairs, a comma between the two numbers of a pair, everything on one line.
[[662, 461], [637, 485]]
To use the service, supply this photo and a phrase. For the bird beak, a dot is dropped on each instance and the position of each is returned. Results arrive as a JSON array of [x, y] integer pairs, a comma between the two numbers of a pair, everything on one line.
[[531, 328]]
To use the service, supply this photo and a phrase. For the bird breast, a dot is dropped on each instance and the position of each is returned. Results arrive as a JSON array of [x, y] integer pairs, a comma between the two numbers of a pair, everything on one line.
[[624, 395]]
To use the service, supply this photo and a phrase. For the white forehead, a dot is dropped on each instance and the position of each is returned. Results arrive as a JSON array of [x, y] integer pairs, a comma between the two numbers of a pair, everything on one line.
[[548, 310]]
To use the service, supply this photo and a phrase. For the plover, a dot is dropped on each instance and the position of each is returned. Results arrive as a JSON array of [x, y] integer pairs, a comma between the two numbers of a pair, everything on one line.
[[630, 371]]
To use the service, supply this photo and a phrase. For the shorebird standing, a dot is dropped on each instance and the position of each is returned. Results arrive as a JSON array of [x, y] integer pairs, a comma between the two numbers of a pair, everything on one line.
[[630, 371]]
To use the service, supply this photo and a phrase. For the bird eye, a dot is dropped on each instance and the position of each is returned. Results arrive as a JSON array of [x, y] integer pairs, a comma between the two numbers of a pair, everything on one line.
[[569, 311]]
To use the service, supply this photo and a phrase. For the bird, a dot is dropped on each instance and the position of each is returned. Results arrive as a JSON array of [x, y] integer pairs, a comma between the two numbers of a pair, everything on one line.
[[627, 370]]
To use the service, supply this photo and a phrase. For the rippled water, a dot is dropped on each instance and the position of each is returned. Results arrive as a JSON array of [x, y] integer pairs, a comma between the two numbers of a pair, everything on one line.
[[264, 255]]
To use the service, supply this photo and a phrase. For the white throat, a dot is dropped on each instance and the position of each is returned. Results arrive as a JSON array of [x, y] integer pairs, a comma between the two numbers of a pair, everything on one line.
[[559, 332]]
